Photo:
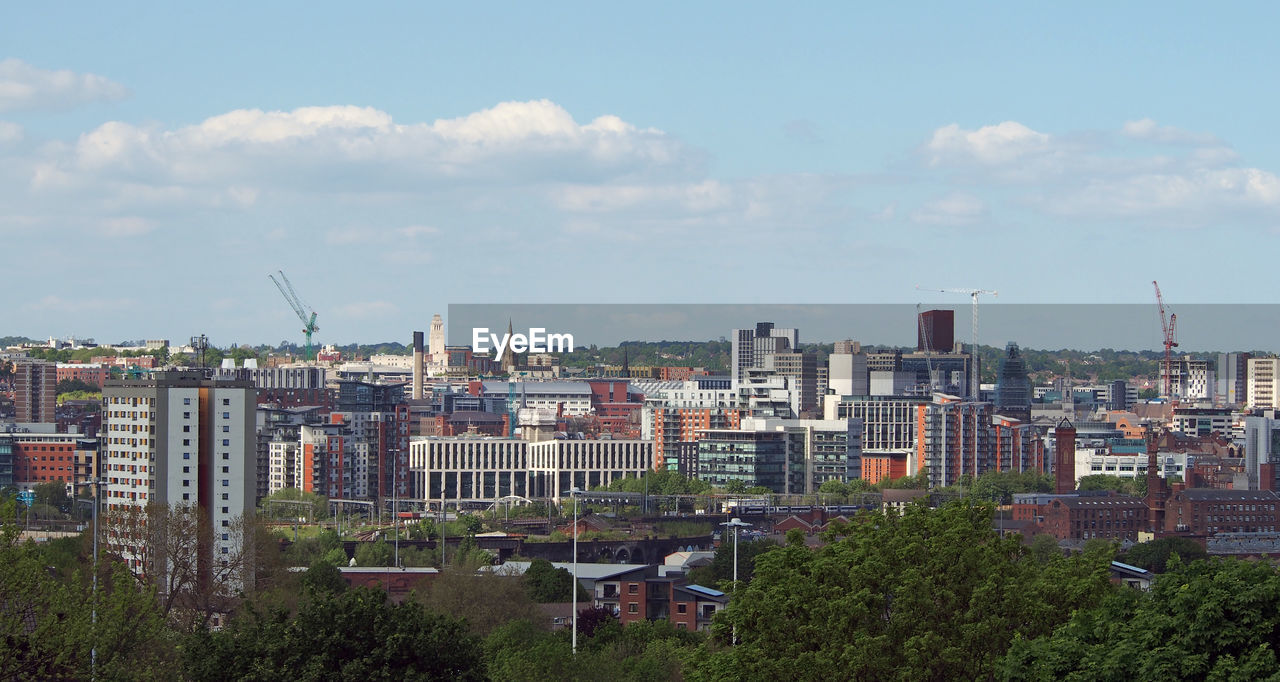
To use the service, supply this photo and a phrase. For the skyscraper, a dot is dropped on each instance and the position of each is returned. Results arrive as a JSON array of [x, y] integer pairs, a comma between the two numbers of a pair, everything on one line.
[[936, 331]]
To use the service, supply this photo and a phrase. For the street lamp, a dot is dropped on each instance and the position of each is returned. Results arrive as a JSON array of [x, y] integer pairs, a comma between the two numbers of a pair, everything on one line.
[[573, 496], [93, 653], [735, 523]]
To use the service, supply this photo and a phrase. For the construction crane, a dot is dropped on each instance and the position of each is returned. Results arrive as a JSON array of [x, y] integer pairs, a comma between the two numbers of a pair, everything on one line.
[[299, 308], [973, 340], [1169, 327]]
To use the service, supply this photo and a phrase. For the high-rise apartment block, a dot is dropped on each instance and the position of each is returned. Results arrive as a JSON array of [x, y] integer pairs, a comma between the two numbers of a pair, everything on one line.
[[179, 439], [35, 387]]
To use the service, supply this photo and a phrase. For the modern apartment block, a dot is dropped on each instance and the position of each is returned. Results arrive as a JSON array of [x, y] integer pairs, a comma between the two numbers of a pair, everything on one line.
[[179, 439], [955, 438], [788, 456], [35, 388]]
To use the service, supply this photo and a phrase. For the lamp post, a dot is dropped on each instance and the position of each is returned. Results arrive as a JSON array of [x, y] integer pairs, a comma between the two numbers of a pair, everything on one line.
[[573, 497], [93, 653], [735, 523]]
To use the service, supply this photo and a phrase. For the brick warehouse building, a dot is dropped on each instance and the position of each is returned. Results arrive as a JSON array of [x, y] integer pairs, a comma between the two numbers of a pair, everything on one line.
[[1082, 516]]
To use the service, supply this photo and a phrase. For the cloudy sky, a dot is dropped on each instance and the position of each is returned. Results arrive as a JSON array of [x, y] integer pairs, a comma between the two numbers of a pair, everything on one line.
[[157, 161]]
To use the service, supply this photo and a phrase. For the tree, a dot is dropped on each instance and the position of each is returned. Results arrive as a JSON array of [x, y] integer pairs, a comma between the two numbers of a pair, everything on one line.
[[1155, 554], [485, 600], [1212, 620], [323, 578], [930, 594], [47, 624], [547, 584], [720, 569], [176, 546], [76, 385], [53, 494], [357, 634], [377, 553]]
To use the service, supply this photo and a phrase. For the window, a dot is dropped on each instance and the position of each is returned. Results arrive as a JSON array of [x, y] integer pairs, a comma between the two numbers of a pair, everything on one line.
[[225, 510], [226, 401], [226, 429], [186, 455], [186, 496], [225, 483], [226, 442], [633, 608], [186, 415], [226, 415], [633, 588], [186, 470], [225, 523], [226, 470], [186, 401], [226, 456], [682, 608], [186, 482], [226, 496], [186, 428], [186, 441]]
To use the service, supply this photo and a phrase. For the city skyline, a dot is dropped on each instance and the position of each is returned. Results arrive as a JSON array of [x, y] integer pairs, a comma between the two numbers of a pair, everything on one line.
[[167, 159]]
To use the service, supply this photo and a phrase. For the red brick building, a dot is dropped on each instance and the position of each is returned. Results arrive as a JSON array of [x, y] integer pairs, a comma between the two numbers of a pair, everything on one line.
[[1082, 516], [1208, 511], [640, 594], [88, 373]]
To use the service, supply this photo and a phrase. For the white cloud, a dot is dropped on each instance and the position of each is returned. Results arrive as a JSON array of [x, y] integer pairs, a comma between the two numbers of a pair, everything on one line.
[[1148, 130], [1193, 179], [956, 209], [10, 132], [990, 145], [24, 87]]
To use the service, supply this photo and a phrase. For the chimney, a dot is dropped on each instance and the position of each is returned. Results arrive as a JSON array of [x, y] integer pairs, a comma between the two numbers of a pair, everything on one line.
[[417, 365], [1064, 458]]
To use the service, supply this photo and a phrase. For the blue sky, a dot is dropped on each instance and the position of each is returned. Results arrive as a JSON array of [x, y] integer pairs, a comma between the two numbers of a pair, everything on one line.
[[158, 161]]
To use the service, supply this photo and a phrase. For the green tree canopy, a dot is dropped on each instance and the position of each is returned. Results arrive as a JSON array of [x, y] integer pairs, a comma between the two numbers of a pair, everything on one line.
[[1214, 620], [547, 584], [931, 594], [1155, 554], [354, 635]]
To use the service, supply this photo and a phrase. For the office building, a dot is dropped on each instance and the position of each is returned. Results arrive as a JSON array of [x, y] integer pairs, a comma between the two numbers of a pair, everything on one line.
[[1232, 378], [463, 470], [1262, 387], [750, 347], [847, 374]]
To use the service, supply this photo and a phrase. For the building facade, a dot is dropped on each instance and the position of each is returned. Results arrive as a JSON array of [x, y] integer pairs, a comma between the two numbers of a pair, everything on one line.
[[179, 439]]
